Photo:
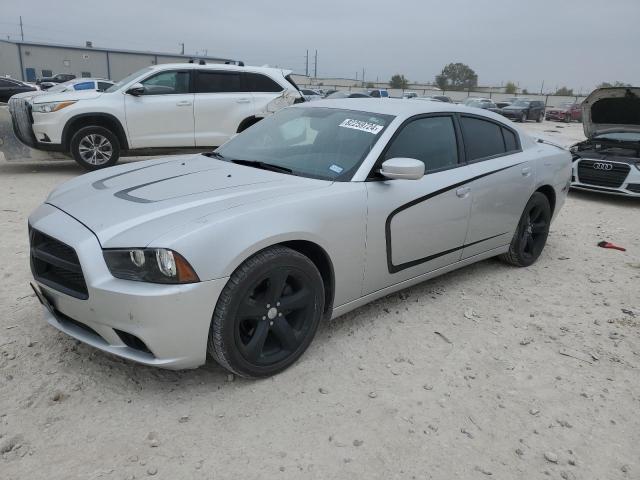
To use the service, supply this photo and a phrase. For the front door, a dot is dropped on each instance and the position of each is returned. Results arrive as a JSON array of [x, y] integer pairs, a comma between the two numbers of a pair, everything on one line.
[[163, 115], [416, 226]]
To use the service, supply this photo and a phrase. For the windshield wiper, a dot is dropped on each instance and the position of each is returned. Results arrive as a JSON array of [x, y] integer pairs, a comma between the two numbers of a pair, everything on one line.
[[263, 165], [217, 155]]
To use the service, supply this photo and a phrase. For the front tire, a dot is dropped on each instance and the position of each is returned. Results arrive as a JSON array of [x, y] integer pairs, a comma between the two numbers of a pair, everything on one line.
[[531, 235], [523, 117], [567, 118], [95, 147], [267, 314], [540, 117]]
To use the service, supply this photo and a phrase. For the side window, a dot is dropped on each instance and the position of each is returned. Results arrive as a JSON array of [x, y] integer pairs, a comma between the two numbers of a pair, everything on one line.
[[102, 86], [431, 140], [256, 82], [481, 138], [167, 83], [510, 140], [217, 82], [83, 86]]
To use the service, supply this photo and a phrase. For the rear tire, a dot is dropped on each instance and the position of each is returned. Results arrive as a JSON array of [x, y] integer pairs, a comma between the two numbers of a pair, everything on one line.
[[531, 235], [567, 118], [95, 147], [540, 117], [267, 314]]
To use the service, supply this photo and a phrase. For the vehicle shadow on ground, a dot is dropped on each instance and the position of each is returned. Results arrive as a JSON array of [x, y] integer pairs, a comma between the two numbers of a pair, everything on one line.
[[603, 198], [128, 377]]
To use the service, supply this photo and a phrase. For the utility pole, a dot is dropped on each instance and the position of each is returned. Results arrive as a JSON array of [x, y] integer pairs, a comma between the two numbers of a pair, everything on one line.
[[306, 64], [21, 31], [542, 87], [315, 67], [182, 48], [363, 76]]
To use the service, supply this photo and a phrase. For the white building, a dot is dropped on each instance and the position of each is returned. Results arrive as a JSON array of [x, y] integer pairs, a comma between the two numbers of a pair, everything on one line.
[[30, 60]]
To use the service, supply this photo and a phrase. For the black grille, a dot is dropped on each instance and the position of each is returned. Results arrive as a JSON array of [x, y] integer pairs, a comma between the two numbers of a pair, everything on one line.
[[56, 265], [634, 187], [613, 178]]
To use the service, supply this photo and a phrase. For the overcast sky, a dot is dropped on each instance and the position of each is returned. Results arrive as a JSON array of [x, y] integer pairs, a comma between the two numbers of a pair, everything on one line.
[[577, 43]]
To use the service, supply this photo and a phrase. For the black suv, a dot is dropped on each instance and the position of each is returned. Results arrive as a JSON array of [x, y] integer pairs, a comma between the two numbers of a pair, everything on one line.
[[523, 110]]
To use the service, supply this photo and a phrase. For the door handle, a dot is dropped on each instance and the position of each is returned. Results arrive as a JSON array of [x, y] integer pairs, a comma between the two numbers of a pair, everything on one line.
[[184, 103], [243, 100], [526, 171], [463, 192]]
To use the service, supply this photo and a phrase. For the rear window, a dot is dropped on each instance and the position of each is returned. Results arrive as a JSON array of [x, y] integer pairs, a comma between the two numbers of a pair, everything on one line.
[[482, 138], [256, 82], [218, 82]]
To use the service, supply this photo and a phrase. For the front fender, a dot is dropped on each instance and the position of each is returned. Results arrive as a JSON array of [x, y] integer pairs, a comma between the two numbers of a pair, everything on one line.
[[333, 218]]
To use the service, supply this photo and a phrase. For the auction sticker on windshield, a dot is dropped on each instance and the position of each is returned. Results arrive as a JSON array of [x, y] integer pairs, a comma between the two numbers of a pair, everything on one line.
[[362, 126]]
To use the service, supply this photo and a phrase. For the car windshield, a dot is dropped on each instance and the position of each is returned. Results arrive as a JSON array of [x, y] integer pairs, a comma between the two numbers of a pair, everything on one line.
[[116, 86], [520, 103], [619, 136], [324, 143]]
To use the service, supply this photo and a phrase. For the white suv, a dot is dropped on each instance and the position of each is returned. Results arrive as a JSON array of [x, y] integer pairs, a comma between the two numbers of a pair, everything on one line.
[[164, 106]]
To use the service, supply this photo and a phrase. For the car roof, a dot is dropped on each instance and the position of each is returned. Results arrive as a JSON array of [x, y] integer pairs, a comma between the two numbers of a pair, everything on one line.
[[398, 107], [220, 66]]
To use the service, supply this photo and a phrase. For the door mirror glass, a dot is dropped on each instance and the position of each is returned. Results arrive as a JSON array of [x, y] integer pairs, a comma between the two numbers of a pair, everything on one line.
[[402, 168], [136, 89]]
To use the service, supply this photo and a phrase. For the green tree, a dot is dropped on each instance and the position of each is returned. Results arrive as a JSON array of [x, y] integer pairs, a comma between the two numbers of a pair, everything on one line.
[[525, 91], [567, 92], [510, 88], [457, 76], [614, 84], [398, 81]]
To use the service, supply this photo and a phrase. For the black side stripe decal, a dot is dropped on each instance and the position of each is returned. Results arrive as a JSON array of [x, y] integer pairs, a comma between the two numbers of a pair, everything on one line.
[[397, 268]]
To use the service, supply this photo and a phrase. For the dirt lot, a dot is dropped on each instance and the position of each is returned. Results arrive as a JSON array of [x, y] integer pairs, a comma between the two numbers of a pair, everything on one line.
[[540, 379]]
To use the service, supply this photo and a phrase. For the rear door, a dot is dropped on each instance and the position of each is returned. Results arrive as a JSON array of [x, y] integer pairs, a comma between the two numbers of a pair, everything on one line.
[[163, 115], [416, 226], [222, 102], [503, 180], [263, 90]]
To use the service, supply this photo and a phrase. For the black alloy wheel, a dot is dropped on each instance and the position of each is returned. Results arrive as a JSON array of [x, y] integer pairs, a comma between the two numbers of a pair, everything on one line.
[[531, 235], [268, 313]]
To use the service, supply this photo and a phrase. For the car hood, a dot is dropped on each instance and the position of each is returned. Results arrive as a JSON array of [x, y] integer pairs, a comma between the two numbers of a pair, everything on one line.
[[28, 95], [66, 96], [131, 205], [608, 110]]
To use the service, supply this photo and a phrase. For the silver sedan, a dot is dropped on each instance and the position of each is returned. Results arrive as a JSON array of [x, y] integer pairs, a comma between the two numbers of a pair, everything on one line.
[[310, 213]]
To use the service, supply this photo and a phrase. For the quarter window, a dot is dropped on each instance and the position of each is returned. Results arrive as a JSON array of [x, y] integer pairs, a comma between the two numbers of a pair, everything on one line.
[[255, 82], [102, 86], [481, 138], [167, 83], [218, 82], [510, 141], [431, 140]]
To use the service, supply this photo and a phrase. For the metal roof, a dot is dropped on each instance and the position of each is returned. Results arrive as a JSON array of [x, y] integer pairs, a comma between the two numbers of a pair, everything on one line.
[[115, 50]]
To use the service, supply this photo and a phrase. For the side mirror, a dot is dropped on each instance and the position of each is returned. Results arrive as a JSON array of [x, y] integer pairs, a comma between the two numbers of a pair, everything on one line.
[[402, 168], [136, 89]]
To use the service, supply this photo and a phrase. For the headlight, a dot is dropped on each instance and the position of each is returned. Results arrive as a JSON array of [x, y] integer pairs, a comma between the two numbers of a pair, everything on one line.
[[51, 106], [154, 265]]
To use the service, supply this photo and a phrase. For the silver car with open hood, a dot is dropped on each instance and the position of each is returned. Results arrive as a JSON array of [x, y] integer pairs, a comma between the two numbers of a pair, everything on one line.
[[609, 160]]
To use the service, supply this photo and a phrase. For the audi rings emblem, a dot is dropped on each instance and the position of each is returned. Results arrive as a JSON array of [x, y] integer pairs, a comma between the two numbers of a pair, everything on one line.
[[602, 166]]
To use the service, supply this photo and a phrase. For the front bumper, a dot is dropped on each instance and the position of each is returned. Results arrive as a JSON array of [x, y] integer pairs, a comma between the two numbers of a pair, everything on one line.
[[560, 116], [157, 325], [628, 185]]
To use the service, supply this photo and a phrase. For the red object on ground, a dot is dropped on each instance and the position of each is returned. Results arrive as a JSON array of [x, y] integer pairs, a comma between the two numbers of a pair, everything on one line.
[[604, 244]]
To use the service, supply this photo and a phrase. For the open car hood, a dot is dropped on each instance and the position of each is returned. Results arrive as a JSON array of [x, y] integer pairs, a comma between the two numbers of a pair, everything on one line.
[[608, 110]]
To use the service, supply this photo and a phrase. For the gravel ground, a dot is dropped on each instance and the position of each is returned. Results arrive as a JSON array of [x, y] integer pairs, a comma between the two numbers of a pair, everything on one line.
[[534, 375]]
